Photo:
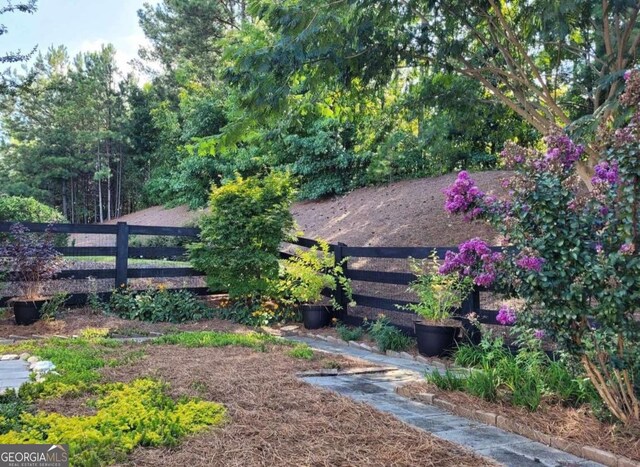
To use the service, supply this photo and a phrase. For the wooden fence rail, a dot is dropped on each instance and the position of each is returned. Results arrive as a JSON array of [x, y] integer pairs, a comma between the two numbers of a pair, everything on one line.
[[123, 252]]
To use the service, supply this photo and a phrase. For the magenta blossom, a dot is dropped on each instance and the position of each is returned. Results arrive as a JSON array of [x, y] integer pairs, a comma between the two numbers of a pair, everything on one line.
[[538, 334], [530, 263], [562, 149], [462, 197], [506, 316], [605, 172], [474, 259], [627, 249]]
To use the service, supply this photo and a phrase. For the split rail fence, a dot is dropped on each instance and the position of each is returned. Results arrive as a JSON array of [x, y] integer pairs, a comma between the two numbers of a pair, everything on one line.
[[123, 253]]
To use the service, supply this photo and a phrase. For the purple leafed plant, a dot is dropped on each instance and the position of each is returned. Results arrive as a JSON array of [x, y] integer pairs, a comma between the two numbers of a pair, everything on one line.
[[30, 257]]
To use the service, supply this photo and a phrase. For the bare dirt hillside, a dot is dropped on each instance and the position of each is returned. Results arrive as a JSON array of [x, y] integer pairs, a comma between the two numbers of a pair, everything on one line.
[[406, 213]]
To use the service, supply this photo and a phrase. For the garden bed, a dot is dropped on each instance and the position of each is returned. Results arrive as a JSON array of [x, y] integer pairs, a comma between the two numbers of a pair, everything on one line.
[[270, 416], [577, 426]]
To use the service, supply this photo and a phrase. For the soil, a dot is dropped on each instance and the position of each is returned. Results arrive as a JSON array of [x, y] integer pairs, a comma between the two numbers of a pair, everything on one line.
[[578, 425], [275, 419], [405, 213], [73, 321]]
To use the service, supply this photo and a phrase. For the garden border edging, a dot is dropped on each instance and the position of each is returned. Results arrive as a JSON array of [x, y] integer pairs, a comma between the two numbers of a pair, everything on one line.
[[489, 418]]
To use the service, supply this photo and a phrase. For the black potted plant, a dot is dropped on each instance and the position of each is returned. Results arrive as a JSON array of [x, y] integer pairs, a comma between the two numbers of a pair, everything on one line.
[[31, 259], [305, 275], [439, 296]]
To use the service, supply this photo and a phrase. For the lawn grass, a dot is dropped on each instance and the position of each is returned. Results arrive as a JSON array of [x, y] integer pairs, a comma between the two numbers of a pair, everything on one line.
[[252, 340]]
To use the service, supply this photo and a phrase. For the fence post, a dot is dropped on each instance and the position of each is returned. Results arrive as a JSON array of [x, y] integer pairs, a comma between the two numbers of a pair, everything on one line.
[[340, 295], [471, 303], [122, 254]]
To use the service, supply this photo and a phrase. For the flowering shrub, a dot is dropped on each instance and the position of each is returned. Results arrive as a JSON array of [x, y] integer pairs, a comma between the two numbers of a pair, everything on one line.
[[506, 316], [576, 266], [31, 257], [474, 259]]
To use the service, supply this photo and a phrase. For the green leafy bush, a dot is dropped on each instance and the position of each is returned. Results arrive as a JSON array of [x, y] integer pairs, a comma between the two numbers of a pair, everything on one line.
[[158, 305], [348, 333], [128, 415], [387, 336], [240, 237], [307, 273], [261, 313], [19, 209]]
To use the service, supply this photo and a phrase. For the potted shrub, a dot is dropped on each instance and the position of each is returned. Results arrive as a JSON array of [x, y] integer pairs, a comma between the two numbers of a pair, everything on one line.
[[32, 259], [439, 295], [304, 276]]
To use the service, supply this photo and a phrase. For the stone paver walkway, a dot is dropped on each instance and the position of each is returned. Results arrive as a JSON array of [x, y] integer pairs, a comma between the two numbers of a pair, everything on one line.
[[378, 390], [12, 374]]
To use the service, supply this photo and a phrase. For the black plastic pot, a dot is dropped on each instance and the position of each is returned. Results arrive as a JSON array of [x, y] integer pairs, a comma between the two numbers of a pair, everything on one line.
[[470, 333], [315, 316], [27, 311], [435, 341]]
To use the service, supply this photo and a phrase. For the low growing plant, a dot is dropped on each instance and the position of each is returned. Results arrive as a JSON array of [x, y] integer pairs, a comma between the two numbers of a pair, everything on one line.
[[158, 305], [387, 336], [447, 381], [301, 351], [349, 333], [52, 307], [128, 415]]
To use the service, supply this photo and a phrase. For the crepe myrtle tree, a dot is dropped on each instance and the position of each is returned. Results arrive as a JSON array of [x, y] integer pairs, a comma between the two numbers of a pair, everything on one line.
[[576, 261]]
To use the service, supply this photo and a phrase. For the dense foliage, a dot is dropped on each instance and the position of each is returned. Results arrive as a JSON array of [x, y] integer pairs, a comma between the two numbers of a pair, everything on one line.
[[32, 258], [527, 379], [575, 260], [18, 209], [241, 235], [158, 305]]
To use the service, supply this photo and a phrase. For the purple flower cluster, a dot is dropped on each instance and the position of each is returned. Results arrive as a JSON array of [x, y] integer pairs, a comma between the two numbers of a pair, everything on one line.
[[462, 197], [627, 249], [513, 155], [474, 259], [538, 334], [506, 316], [562, 149], [530, 263], [605, 173]]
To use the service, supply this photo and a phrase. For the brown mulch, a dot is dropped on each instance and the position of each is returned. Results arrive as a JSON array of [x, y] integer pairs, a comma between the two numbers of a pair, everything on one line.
[[73, 321], [275, 419], [573, 424]]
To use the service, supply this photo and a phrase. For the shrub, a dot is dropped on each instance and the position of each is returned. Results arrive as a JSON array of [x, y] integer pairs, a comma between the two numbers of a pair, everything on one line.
[[577, 252], [128, 415], [387, 336], [347, 333], [240, 237], [158, 305], [307, 273], [32, 258], [438, 294], [51, 308], [19, 209]]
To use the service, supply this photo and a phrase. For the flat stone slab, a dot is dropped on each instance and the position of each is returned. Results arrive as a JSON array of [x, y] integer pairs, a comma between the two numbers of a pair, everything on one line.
[[13, 374], [378, 390]]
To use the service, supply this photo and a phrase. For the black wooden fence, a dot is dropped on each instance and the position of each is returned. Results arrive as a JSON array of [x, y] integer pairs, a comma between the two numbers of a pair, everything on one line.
[[123, 252]]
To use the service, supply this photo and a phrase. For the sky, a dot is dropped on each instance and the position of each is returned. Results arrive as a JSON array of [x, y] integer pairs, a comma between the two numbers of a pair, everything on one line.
[[81, 25]]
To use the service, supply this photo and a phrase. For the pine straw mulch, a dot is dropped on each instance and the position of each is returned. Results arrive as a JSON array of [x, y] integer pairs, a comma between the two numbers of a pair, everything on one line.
[[578, 425], [73, 321], [276, 419]]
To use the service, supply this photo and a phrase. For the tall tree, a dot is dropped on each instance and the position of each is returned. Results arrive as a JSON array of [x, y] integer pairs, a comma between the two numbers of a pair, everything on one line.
[[531, 55], [8, 82]]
